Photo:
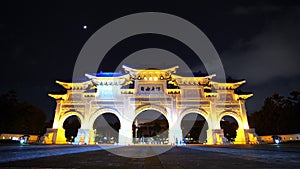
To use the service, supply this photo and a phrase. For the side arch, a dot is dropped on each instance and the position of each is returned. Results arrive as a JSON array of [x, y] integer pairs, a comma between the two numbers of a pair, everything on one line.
[[234, 115], [68, 114], [98, 112], [200, 111]]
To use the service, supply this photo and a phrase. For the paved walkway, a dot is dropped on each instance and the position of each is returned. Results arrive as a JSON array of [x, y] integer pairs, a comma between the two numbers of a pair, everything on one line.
[[24, 152], [177, 157]]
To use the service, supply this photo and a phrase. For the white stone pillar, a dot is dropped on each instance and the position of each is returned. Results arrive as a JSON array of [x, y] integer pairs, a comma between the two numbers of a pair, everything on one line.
[[243, 114], [57, 114], [175, 136], [125, 136]]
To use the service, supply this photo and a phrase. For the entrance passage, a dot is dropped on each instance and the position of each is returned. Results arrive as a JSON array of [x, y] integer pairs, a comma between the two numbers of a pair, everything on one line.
[[71, 126], [229, 126], [106, 128], [194, 128], [150, 127]]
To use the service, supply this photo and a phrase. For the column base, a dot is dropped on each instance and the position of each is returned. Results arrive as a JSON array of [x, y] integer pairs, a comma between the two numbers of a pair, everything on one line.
[[252, 137], [215, 136], [247, 136], [91, 137], [48, 137], [54, 136], [240, 137]]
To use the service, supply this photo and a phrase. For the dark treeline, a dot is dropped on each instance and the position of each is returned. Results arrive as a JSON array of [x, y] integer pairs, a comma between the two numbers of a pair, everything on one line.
[[279, 115], [20, 117]]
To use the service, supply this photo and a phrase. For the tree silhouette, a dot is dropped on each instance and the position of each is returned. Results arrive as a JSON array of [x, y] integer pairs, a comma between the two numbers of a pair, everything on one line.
[[19, 117], [279, 115]]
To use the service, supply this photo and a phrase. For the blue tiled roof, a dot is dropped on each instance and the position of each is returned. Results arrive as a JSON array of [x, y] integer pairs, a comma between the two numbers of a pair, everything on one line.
[[108, 74]]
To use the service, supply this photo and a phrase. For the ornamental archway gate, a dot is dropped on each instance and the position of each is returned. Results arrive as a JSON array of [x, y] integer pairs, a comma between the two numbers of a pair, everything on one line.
[[126, 95]]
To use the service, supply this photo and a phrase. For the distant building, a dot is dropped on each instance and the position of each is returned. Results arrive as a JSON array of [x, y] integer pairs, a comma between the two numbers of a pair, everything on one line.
[[281, 138], [23, 138]]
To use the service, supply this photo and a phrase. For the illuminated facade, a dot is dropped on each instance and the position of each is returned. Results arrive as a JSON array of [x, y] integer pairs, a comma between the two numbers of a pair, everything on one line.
[[127, 95]]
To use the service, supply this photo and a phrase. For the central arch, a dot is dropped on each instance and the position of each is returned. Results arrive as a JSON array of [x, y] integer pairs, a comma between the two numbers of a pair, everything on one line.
[[150, 126], [162, 110]]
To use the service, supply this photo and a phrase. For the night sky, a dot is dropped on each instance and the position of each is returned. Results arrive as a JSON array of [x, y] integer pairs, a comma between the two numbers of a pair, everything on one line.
[[257, 41]]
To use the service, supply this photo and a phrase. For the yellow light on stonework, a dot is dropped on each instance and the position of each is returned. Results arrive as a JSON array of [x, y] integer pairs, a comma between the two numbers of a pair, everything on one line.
[[246, 125], [155, 78], [145, 78], [150, 78], [161, 77]]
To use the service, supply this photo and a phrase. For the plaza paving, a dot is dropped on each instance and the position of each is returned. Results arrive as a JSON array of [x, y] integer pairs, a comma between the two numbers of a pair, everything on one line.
[[261, 156]]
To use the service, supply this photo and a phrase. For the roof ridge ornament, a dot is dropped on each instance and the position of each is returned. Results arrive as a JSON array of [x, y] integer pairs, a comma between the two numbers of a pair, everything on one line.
[[129, 69]]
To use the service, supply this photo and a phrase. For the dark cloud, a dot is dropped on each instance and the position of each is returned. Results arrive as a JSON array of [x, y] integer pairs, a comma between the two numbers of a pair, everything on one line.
[[261, 8], [269, 60], [273, 53]]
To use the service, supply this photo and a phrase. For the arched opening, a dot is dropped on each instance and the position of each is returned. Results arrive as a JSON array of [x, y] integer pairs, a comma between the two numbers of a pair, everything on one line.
[[229, 126], [71, 126], [194, 128], [150, 127], [106, 127]]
